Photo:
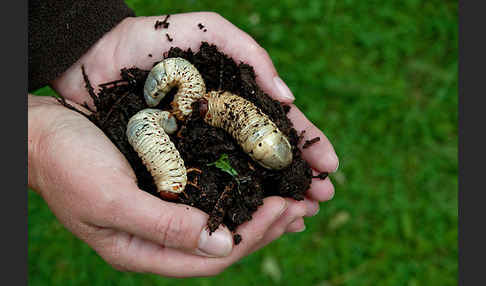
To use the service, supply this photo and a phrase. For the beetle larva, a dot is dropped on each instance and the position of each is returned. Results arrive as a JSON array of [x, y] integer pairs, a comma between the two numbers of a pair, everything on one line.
[[252, 129], [174, 72], [147, 133]]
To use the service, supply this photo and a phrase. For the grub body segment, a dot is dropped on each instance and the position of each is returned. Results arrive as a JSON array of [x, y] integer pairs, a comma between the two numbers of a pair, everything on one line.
[[253, 130], [147, 133], [174, 73], [250, 127]]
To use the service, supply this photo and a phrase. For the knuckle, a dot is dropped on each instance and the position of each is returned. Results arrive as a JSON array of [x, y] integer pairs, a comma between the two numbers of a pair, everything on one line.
[[161, 228], [110, 205], [173, 230]]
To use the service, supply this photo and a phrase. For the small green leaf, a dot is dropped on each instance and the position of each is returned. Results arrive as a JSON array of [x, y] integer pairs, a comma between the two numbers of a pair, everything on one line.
[[224, 165]]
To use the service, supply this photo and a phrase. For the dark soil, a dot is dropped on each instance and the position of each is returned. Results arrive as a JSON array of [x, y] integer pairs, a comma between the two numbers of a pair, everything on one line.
[[201, 27], [227, 199]]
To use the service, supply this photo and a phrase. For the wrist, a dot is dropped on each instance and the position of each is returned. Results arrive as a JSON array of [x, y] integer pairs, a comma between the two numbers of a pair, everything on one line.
[[38, 107]]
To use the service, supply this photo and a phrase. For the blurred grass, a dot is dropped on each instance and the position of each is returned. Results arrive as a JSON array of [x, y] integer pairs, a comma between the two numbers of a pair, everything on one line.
[[380, 79]]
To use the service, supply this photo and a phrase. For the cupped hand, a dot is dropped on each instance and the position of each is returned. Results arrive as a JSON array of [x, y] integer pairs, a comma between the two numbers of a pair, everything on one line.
[[129, 228], [90, 187]]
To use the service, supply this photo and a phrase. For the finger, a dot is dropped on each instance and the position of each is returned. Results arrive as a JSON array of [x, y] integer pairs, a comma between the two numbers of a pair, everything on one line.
[[172, 225], [311, 207], [138, 254], [297, 226], [295, 210], [251, 232], [321, 190], [320, 155]]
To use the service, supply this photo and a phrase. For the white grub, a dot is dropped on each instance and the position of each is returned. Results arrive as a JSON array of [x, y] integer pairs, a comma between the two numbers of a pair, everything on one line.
[[170, 73], [147, 133], [252, 129]]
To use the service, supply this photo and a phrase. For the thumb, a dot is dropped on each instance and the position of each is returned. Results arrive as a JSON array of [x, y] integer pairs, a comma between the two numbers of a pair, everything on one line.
[[169, 224]]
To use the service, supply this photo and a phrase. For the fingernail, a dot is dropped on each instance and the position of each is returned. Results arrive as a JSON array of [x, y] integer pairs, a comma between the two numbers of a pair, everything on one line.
[[218, 244], [331, 196], [317, 211], [333, 157], [283, 89], [302, 229]]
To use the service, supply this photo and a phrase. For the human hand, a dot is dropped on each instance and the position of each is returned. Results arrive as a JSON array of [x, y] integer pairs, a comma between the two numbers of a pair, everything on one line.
[[90, 187], [129, 44]]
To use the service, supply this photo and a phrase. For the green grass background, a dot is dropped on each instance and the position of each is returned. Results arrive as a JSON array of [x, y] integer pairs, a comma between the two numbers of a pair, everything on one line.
[[380, 79]]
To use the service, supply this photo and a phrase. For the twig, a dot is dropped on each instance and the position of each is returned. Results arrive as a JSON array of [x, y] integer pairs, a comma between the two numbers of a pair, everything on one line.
[[218, 212], [308, 143], [89, 87], [322, 175], [63, 101]]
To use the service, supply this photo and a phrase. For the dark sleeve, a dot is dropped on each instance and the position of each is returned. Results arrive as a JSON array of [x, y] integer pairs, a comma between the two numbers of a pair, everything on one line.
[[61, 31]]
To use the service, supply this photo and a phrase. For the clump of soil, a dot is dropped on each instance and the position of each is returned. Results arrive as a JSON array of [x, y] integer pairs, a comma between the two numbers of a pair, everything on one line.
[[227, 199], [162, 24]]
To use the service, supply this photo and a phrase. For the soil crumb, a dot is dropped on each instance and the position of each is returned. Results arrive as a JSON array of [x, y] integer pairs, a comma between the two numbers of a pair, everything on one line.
[[309, 143], [321, 176], [162, 24], [237, 239], [228, 199]]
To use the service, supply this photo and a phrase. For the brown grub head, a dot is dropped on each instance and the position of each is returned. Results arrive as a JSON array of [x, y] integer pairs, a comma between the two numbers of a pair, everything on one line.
[[203, 107], [169, 195]]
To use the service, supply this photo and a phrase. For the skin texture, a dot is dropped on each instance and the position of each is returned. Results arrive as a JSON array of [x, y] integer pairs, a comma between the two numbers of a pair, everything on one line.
[[98, 200]]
